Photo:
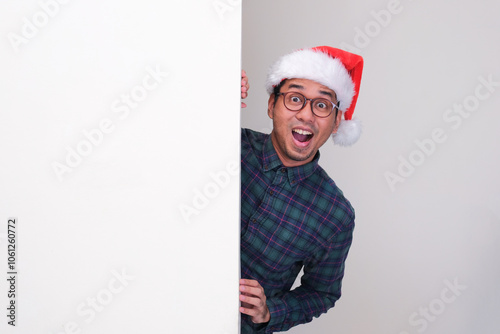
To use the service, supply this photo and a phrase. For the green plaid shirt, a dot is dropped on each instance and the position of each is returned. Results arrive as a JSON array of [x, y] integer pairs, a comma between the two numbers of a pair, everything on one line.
[[291, 218]]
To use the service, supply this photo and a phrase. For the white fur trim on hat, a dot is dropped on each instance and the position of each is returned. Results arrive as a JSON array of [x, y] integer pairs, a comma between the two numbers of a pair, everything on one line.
[[316, 66], [348, 132]]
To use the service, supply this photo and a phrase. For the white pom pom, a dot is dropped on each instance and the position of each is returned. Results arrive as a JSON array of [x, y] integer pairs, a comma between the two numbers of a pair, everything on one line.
[[348, 132]]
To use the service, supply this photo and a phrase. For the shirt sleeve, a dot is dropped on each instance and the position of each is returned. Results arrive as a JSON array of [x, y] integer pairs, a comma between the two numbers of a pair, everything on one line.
[[319, 290]]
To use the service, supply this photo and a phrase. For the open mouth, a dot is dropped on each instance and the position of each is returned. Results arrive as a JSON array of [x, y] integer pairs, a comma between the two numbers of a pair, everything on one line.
[[302, 136]]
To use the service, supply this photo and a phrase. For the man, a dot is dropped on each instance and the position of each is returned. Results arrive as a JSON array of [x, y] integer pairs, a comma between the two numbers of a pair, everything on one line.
[[293, 216]]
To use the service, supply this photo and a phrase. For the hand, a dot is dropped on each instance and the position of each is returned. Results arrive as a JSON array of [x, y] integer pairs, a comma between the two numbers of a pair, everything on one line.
[[253, 301], [244, 87]]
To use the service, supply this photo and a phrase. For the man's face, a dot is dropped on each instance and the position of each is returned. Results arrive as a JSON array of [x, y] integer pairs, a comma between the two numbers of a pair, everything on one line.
[[298, 135]]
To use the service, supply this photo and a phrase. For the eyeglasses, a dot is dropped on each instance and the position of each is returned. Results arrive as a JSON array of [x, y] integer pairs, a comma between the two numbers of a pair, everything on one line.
[[320, 107]]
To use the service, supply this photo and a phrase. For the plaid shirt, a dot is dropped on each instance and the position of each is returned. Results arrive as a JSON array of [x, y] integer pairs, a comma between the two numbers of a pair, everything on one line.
[[291, 217]]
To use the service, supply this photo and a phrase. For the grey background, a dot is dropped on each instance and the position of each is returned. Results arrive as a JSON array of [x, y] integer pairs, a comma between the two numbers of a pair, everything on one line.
[[442, 224]]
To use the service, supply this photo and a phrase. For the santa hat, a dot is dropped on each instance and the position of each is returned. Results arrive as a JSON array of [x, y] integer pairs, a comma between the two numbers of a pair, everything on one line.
[[336, 69]]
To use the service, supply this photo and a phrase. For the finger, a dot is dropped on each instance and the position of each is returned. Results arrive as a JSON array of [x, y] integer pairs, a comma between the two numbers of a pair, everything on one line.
[[253, 301], [248, 311], [258, 316], [252, 311], [253, 291], [244, 80], [243, 105], [249, 282], [247, 294], [245, 84]]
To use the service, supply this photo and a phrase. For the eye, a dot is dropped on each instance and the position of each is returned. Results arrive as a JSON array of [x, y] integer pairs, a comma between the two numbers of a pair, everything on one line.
[[322, 104], [296, 99]]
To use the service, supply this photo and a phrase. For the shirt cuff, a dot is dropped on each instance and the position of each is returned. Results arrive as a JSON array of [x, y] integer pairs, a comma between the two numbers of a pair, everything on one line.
[[260, 328], [277, 308]]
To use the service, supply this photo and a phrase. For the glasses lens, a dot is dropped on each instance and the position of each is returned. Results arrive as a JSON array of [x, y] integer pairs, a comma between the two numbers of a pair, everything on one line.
[[322, 107], [294, 101]]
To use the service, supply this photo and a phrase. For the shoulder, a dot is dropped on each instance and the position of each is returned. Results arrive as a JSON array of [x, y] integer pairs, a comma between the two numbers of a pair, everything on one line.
[[251, 136], [252, 141]]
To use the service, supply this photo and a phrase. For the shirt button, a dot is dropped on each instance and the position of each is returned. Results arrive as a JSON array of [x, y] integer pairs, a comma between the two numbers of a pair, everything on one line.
[[271, 192], [254, 220], [283, 170]]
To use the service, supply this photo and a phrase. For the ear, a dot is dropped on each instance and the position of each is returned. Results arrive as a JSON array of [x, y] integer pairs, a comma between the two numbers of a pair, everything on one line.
[[270, 106], [337, 122]]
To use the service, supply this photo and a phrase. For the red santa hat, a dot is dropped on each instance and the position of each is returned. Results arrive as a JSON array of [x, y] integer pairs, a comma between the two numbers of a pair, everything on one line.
[[336, 69]]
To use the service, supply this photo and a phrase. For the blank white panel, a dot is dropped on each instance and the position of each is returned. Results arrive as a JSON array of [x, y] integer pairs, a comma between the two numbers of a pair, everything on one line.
[[119, 138]]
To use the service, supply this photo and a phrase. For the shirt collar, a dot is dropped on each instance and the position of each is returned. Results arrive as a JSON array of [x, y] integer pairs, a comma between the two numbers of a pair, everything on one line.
[[271, 161]]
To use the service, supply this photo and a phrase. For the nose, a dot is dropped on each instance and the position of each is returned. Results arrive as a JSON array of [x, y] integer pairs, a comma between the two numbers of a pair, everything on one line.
[[306, 114]]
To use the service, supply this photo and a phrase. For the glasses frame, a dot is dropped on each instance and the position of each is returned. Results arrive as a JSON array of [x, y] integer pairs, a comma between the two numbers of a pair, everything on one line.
[[336, 107]]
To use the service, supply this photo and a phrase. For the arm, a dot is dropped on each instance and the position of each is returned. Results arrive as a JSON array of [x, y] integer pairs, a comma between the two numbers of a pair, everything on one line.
[[319, 290]]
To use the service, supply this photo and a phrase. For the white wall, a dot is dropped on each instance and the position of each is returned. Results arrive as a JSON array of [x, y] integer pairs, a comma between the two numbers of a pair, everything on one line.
[[439, 222], [147, 95]]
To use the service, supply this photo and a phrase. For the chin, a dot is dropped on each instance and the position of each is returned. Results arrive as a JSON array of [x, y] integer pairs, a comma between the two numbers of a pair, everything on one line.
[[301, 155]]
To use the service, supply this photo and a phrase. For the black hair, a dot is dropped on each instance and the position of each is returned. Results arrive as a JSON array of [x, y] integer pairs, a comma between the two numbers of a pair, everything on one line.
[[277, 89]]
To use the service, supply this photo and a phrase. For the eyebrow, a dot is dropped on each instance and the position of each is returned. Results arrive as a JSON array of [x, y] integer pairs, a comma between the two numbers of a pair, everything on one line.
[[321, 91], [296, 86], [326, 93]]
